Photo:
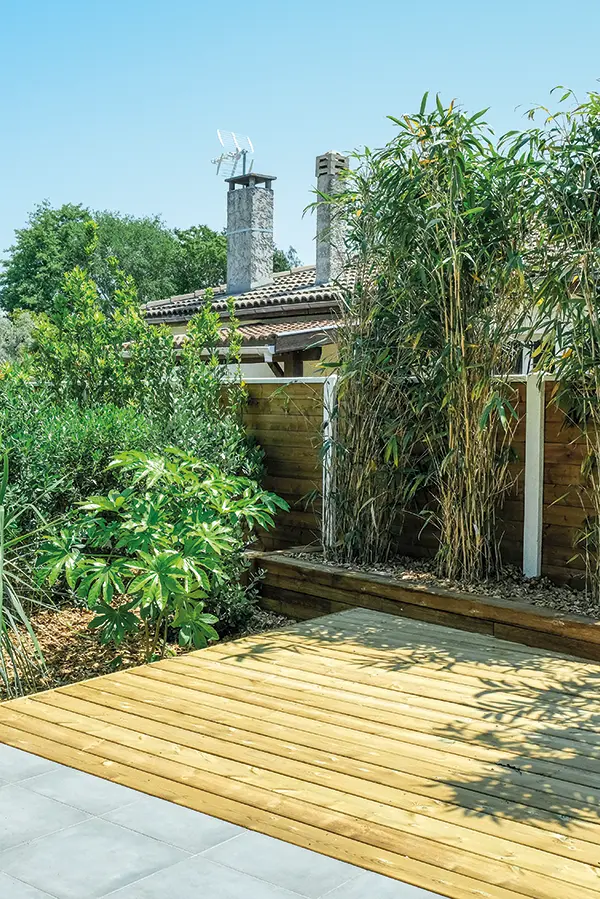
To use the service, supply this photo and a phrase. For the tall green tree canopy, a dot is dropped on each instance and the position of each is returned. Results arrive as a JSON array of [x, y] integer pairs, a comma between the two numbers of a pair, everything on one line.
[[146, 249], [53, 242], [202, 258], [283, 261], [162, 261]]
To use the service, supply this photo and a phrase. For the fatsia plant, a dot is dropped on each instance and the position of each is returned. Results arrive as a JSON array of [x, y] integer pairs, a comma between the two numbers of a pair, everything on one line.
[[148, 557], [437, 221]]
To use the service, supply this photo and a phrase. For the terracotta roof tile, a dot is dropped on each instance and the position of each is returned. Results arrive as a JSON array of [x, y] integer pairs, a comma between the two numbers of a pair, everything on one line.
[[262, 335], [286, 289]]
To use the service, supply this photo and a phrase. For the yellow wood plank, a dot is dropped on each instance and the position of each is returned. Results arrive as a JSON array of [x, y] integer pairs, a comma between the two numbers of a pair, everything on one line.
[[483, 796], [542, 793], [348, 759], [325, 842], [406, 652], [369, 821], [262, 691], [587, 774], [442, 758], [382, 666], [352, 633], [381, 700], [368, 747]]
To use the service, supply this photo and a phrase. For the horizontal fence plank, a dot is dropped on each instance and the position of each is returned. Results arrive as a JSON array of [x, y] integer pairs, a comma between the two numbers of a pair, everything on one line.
[[310, 584], [295, 486], [287, 422], [263, 421], [293, 439], [298, 390], [282, 406], [567, 495]]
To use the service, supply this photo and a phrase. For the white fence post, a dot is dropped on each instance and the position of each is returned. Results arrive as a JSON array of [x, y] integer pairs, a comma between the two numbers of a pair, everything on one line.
[[329, 418], [534, 476]]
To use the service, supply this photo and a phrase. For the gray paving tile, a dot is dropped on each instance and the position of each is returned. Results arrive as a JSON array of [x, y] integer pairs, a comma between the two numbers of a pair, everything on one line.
[[16, 889], [84, 791], [173, 824], [199, 878], [17, 765], [378, 887], [88, 860], [26, 816], [299, 870]]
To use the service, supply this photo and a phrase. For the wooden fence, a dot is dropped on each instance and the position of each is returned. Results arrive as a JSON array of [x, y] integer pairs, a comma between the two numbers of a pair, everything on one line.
[[286, 417], [540, 518]]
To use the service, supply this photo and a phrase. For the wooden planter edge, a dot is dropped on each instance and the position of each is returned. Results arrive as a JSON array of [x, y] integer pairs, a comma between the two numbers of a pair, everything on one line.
[[306, 588]]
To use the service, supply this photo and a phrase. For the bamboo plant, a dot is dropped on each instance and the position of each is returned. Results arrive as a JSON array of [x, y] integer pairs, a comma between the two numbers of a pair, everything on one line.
[[437, 229], [568, 299]]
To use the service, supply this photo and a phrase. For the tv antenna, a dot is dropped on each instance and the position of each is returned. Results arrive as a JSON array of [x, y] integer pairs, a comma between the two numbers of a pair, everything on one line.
[[234, 159]]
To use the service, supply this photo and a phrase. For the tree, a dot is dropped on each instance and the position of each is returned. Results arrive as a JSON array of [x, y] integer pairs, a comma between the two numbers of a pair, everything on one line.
[[52, 243], [202, 259], [283, 262], [160, 261], [147, 251], [16, 335]]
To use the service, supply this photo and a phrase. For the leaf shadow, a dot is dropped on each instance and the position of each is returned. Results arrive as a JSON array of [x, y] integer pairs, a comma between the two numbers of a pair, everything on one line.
[[528, 720]]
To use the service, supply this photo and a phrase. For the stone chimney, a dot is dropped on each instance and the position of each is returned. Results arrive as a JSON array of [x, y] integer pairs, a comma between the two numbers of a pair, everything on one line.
[[330, 230], [249, 232]]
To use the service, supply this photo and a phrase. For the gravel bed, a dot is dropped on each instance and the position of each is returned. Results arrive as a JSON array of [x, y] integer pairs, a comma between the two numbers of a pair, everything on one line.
[[513, 585]]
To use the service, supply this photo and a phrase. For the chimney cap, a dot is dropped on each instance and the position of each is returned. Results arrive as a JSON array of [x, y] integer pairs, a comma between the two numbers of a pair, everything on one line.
[[331, 163], [250, 179]]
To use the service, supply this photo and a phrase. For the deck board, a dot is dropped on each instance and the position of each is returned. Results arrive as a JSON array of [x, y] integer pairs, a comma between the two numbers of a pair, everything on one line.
[[453, 761]]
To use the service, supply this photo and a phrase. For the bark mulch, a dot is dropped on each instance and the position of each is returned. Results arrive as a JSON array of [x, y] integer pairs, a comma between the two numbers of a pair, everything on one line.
[[74, 653]]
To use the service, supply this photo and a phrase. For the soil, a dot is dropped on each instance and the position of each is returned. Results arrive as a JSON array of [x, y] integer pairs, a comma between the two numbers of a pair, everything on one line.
[[512, 585], [74, 653]]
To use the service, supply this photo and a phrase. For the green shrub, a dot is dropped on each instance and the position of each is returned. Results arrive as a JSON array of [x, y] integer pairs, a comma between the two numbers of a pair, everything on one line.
[[234, 601], [146, 558], [220, 439], [21, 660], [98, 382], [59, 454]]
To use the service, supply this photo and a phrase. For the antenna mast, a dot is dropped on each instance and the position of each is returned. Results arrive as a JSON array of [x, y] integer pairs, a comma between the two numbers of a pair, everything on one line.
[[237, 153]]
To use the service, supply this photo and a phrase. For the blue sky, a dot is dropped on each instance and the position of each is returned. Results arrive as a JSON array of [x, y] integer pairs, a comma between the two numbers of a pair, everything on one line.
[[115, 103]]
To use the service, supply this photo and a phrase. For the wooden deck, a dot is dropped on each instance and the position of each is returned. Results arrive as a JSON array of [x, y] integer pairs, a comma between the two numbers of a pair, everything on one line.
[[453, 761]]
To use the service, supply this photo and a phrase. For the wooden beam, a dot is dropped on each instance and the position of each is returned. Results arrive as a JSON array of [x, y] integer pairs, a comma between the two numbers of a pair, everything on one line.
[[293, 364], [276, 368]]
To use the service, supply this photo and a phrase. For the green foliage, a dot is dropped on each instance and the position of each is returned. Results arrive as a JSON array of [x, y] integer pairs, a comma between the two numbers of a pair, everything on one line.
[[437, 221], [160, 261], [232, 603], [97, 401], [566, 324], [79, 351], [147, 557], [59, 453], [202, 259], [148, 252], [16, 336], [21, 660], [283, 261], [53, 242]]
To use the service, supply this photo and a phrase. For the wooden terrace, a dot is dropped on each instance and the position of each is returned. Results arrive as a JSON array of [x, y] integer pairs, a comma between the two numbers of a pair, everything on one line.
[[449, 760]]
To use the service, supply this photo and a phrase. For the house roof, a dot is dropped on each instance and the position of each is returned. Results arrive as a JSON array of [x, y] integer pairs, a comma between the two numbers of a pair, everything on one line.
[[282, 337], [292, 292]]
